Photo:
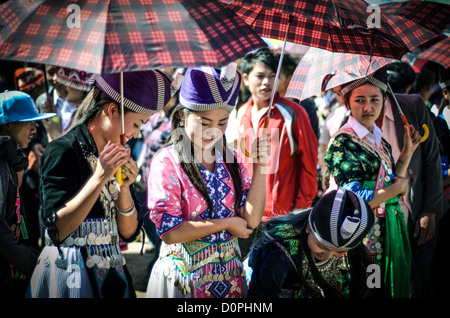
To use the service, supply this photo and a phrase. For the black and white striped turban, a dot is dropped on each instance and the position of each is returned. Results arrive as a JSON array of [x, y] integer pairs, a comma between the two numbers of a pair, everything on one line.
[[341, 219], [378, 78]]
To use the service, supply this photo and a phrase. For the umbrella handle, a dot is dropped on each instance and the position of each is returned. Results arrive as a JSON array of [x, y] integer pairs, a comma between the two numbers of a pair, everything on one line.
[[424, 126], [272, 95], [405, 121], [426, 133], [280, 62], [119, 176]]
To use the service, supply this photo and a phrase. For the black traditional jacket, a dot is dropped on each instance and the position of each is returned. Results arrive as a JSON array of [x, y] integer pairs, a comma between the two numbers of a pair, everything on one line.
[[64, 171]]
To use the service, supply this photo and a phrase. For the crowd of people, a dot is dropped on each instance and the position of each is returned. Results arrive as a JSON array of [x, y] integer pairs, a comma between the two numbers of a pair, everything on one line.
[[241, 199]]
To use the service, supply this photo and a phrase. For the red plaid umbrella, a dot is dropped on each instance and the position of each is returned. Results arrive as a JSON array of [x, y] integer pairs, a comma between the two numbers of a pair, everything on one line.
[[115, 36], [320, 70], [439, 53], [341, 25]]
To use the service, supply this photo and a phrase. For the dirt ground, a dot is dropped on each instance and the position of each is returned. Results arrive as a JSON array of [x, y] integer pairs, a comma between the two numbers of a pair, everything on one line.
[[138, 265]]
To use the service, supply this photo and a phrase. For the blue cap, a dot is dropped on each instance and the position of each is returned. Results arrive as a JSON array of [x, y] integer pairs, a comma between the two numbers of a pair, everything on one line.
[[19, 106]]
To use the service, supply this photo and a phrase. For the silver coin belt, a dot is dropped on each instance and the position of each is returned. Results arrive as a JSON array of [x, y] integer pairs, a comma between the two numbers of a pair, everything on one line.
[[375, 248], [215, 263], [100, 238]]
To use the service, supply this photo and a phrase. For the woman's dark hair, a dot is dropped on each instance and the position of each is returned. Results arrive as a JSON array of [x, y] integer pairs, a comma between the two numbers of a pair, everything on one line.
[[358, 257], [90, 107], [180, 141]]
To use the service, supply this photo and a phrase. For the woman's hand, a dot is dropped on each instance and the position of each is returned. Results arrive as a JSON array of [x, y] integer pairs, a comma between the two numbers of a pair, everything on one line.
[[237, 227], [110, 159], [130, 170], [425, 228], [411, 140]]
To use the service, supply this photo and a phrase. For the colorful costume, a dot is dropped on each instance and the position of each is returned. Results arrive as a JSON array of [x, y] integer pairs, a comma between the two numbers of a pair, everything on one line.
[[361, 166], [285, 266], [210, 266], [275, 258], [88, 263]]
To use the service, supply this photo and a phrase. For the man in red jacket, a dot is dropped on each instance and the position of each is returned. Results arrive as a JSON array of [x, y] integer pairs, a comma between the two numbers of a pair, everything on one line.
[[292, 168]]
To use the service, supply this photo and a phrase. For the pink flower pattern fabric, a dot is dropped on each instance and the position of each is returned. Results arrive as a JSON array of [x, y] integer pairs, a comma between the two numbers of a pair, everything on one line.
[[172, 198]]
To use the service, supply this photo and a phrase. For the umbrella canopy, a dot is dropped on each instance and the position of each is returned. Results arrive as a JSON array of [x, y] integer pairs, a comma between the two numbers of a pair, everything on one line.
[[320, 70], [101, 36], [439, 53], [342, 25]]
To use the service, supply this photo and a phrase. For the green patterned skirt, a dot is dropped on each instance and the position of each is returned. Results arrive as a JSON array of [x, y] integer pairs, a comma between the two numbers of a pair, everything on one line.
[[388, 242]]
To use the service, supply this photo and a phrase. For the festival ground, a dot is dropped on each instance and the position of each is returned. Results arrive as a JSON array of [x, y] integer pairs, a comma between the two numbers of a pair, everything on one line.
[[138, 265]]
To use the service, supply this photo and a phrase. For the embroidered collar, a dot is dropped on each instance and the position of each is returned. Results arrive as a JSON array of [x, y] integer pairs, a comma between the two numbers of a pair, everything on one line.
[[86, 141], [218, 170]]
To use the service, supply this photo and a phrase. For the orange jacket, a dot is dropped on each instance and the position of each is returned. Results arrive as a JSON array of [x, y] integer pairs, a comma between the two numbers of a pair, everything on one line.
[[292, 168]]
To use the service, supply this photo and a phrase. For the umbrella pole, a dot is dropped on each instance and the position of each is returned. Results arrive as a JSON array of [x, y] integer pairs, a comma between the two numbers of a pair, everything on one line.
[[119, 178], [122, 119], [405, 121], [402, 115], [274, 89], [275, 84]]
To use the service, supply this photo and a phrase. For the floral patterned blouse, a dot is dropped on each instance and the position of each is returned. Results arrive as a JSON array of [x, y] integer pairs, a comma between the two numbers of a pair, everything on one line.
[[354, 167], [172, 198]]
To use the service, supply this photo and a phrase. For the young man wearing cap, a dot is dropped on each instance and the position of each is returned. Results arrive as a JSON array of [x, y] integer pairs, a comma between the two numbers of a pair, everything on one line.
[[17, 260]]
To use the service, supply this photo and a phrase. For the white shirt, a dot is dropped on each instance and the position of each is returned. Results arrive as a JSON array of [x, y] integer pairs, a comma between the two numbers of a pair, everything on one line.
[[373, 137]]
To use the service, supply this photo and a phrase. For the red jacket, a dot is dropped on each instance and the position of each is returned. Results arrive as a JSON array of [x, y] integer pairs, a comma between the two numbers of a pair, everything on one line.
[[291, 180]]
